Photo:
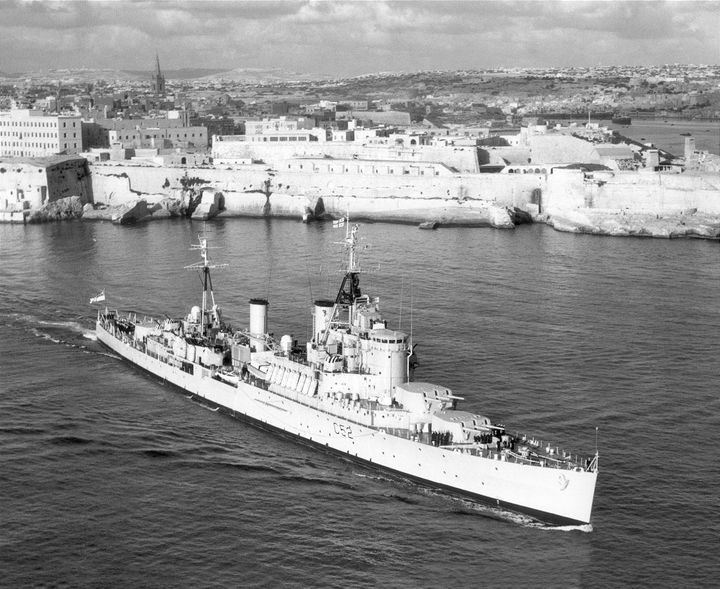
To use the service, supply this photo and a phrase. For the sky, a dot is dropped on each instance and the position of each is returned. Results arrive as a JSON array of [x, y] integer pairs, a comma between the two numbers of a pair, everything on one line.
[[352, 37]]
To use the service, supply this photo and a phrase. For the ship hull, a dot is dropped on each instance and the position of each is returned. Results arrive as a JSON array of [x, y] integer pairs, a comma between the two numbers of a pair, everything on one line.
[[559, 497]]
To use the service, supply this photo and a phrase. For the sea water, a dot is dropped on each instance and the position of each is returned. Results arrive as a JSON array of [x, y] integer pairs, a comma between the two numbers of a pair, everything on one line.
[[109, 478], [670, 134]]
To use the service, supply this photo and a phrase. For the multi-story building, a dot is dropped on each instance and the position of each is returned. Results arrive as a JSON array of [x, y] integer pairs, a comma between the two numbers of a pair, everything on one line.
[[316, 134], [278, 125], [161, 138], [146, 133], [355, 103], [32, 133], [283, 129], [219, 126]]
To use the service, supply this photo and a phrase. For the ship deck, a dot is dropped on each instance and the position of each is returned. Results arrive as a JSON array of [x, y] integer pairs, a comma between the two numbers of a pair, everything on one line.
[[520, 451]]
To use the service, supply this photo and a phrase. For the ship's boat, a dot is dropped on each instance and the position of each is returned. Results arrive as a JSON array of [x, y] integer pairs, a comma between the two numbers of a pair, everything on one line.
[[349, 390]]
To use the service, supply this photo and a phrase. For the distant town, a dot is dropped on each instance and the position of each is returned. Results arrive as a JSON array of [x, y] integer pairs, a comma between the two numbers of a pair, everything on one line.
[[224, 102], [453, 126]]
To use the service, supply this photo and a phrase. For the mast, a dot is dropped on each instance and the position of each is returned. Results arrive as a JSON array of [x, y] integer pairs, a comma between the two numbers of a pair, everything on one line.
[[351, 278], [205, 265], [353, 267], [351, 243]]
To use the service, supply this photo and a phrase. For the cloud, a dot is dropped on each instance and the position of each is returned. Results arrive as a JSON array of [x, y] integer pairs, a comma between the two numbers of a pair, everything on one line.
[[352, 37]]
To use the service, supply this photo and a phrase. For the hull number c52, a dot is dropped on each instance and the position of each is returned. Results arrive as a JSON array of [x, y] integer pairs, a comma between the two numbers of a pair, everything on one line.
[[342, 430]]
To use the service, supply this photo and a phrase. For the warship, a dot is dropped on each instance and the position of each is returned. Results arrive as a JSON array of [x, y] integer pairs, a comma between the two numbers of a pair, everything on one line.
[[350, 391]]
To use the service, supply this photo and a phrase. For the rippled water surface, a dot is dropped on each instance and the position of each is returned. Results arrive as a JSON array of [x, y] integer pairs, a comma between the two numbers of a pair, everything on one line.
[[108, 478], [670, 134]]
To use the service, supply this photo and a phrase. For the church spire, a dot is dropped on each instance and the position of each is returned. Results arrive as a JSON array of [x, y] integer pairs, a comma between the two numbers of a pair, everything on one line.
[[158, 83]]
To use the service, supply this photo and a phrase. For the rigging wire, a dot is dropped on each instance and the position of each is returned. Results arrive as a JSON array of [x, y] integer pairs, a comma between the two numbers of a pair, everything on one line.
[[307, 269], [269, 282], [308, 324], [411, 309], [402, 286]]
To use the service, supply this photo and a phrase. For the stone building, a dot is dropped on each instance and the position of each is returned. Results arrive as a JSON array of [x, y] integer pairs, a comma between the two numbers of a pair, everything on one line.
[[145, 133], [32, 133], [29, 183]]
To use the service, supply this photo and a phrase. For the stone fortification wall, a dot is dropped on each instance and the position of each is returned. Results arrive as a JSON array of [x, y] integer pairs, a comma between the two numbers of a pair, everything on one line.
[[470, 199], [635, 192], [22, 184], [500, 189], [463, 159], [27, 183], [559, 148], [70, 178], [115, 184], [257, 190]]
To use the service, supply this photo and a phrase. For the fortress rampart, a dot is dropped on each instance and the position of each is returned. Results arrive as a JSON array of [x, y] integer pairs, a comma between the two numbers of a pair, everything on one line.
[[461, 158], [256, 190], [30, 183], [632, 192], [259, 190]]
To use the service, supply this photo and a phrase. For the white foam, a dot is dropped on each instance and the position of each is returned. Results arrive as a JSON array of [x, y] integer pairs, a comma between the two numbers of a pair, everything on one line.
[[71, 325], [586, 528], [47, 336]]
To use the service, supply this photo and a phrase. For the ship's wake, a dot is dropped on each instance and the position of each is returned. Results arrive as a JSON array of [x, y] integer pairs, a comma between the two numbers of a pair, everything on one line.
[[57, 331], [71, 333], [73, 328], [57, 337]]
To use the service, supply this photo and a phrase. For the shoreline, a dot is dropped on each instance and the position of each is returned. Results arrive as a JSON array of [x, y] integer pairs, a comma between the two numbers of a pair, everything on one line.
[[689, 224]]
